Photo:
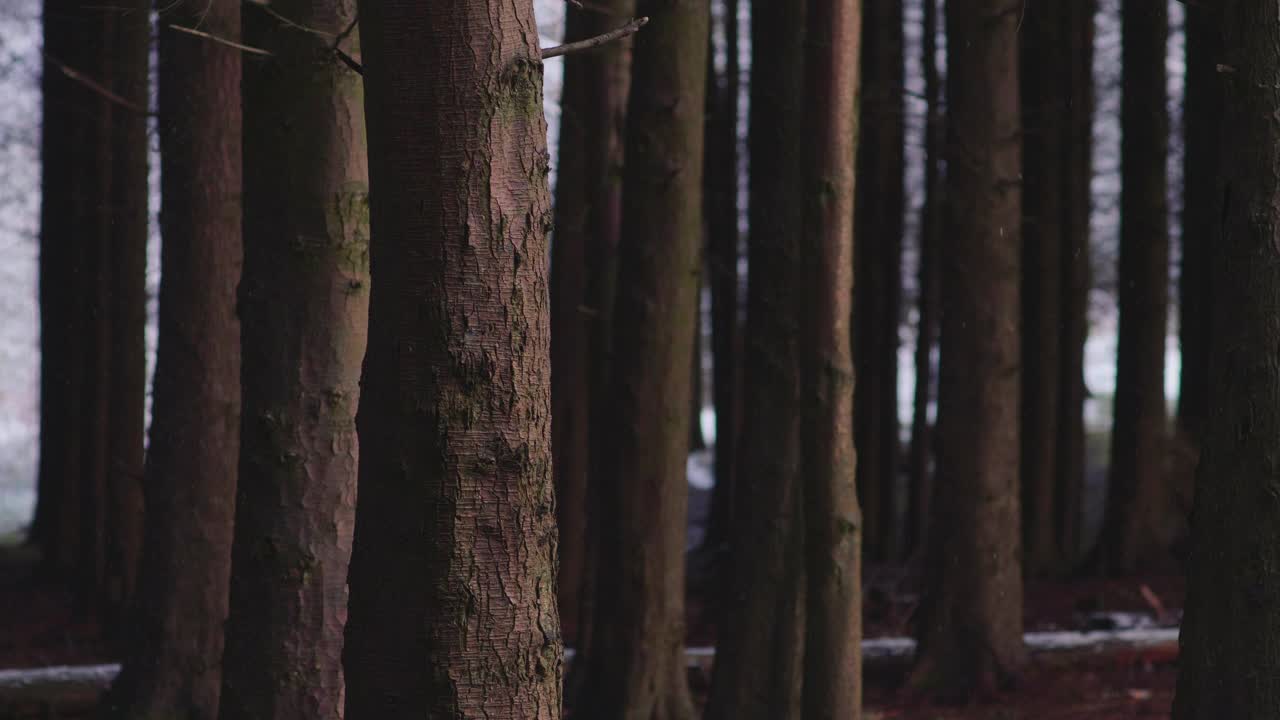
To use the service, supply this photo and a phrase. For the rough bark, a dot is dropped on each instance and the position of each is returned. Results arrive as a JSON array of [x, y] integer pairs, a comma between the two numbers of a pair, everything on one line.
[[124, 517], [879, 269], [303, 307], [453, 596], [1075, 266], [1135, 528], [832, 519], [172, 663], [1230, 663], [920, 473], [65, 140], [588, 219], [758, 657], [971, 620], [720, 197], [636, 668]]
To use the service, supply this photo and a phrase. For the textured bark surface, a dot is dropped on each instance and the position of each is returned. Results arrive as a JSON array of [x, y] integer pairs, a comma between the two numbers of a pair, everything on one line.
[[879, 268], [760, 647], [832, 519], [124, 523], [919, 467], [453, 579], [1135, 529], [583, 270], [1229, 666], [303, 306], [970, 628], [636, 667], [171, 667], [65, 140]]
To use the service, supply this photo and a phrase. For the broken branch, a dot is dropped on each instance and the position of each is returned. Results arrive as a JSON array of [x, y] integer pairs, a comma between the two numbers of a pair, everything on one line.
[[596, 41]]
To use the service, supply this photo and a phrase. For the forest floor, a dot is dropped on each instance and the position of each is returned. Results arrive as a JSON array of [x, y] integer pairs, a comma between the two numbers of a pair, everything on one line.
[[41, 626]]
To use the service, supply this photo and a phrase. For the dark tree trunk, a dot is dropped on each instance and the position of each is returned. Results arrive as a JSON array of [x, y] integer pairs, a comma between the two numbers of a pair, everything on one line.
[[587, 221], [131, 44], [879, 269], [172, 664], [304, 316], [64, 212], [760, 647], [832, 519], [453, 578], [637, 667], [1135, 529], [1075, 267], [971, 621], [721, 202], [1230, 663], [697, 441], [931, 223]]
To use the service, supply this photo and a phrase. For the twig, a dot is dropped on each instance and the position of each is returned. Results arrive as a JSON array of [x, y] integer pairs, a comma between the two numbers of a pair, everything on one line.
[[264, 7], [223, 41], [95, 86], [349, 61], [596, 41]]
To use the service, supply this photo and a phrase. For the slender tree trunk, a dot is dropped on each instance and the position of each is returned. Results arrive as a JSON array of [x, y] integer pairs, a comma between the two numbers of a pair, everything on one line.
[[304, 317], [697, 441], [131, 41], [172, 665], [879, 268], [721, 201], [760, 640], [1230, 662], [1075, 267], [1047, 153], [833, 523], [971, 622], [637, 668], [453, 578], [1137, 498], [931, 223], [588, 218], [65, 140]]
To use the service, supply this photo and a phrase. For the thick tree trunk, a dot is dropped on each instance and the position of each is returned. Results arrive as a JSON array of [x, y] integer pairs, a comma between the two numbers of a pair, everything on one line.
[[587, 220], [64, 213], [172, 663], [304, 317], [453, 579], [1230, 662], [971, 622], [124, 524], [760, 640], [833, 523], [879, 269], [636, 665], [1075, 267], [931, 222], [1135, 529], [721, 202]]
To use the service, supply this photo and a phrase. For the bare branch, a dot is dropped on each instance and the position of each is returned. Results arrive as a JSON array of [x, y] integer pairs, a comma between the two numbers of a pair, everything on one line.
[[95, 86], [596, 41], [223, 41]]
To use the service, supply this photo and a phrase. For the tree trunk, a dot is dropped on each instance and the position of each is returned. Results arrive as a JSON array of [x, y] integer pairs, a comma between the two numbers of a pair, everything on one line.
[[879, 268], [697, 441], [1075, 267], [636, 668], [172, 664], [304, 317], [124, 527], [588, 218], [65, 141], [971, 622], [1230, 662], [760, 640], [453, 578], [931, 223], [1138, 504], [833, 523], [721, 202]]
